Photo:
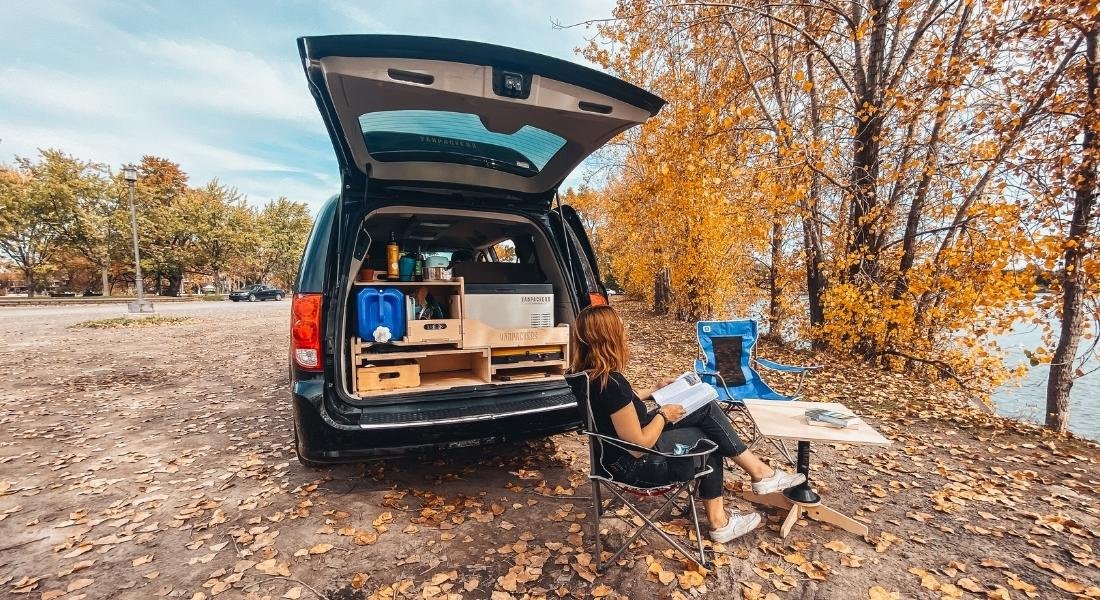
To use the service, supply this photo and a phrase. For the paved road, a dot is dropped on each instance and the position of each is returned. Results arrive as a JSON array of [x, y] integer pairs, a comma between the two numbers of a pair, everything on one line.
[[83, 312]]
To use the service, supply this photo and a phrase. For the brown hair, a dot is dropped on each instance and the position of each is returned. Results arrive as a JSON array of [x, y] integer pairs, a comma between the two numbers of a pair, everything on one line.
[[599, 343]]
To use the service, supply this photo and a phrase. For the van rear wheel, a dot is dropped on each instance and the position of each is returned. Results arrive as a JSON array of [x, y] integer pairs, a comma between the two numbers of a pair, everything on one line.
[[305, 462]]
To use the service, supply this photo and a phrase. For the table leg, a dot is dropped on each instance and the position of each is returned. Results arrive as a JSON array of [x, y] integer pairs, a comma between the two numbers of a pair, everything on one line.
[[803, 493], [827, 515]]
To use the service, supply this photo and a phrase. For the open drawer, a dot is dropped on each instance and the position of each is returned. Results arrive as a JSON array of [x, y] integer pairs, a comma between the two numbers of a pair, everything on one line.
[[438, 369]]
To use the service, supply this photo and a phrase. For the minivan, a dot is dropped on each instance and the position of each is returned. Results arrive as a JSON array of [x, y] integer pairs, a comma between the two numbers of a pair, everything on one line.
[[452, 151]]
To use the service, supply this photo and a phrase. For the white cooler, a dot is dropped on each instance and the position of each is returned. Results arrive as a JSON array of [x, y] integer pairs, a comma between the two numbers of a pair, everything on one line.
[[511, 305]]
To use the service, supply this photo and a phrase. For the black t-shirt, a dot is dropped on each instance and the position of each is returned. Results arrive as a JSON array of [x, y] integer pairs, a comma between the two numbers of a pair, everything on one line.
[[609, 400]]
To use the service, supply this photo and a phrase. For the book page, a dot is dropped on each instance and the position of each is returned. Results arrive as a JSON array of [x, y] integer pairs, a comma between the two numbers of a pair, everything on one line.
[[687, 391], [681, 384]]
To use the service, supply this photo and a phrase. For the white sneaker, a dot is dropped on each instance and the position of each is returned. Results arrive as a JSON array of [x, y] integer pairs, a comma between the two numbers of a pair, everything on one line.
[[779, 481], [739, 524]]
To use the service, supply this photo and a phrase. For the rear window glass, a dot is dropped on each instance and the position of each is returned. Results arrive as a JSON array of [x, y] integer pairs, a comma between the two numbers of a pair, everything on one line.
[[441, 136]]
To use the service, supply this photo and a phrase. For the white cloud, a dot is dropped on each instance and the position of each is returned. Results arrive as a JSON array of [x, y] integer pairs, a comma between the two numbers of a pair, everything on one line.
[[204, 75]]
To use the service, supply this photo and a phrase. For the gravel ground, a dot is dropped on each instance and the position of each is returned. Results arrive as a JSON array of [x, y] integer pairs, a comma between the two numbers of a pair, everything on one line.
[[157, 462]]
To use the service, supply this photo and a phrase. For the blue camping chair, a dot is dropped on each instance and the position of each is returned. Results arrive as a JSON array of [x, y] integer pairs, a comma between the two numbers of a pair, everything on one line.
[[727, 364]]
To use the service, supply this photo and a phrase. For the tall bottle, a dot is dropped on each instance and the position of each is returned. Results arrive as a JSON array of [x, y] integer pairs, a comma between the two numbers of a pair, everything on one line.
[[418, 266], [392, 256]]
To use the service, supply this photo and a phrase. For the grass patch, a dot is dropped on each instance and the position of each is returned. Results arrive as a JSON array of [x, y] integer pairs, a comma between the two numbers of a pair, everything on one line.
[[213, 297], [117, 322]]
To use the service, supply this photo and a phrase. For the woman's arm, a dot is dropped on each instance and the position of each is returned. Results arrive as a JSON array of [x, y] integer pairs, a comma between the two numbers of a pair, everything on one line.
[[629, 429], [648, 393]]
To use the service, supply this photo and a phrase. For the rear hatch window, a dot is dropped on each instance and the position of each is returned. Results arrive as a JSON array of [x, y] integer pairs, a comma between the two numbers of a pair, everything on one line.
[[443, 136]]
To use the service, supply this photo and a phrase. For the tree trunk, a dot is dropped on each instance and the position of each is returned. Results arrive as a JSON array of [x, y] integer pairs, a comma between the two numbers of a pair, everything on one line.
[[174, 281], [864, 217], [662, 292], [105, 280], [811, 224], [1060, 379], [916, 208], [775, 291], [28, 274]]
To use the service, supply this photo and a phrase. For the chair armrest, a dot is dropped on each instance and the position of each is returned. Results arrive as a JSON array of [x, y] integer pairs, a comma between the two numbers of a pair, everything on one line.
[[774, 366], [701, 368], [636, 448]]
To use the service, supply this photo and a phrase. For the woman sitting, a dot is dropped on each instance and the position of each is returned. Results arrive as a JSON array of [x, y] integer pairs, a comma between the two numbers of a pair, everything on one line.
[[600, 349]]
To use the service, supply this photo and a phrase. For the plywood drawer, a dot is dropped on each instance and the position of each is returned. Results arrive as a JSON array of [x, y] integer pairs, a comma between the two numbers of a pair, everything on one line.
[[434, 330], [387, 377]]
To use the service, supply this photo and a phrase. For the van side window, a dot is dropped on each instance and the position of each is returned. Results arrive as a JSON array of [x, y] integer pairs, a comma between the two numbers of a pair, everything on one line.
[[504, 251], [591, 282]]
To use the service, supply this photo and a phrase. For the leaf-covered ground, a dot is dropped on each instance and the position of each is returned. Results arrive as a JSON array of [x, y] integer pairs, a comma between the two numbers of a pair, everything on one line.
[[157, 462]]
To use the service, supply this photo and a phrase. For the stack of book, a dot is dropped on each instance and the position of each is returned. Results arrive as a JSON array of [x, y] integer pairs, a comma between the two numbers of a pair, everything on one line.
[[830, 418]]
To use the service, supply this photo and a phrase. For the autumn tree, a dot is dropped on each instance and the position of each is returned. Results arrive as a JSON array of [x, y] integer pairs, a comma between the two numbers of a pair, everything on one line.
[[1058, 182], [37, 203], [222, 229], [885, 134], [282, 228], [165, 233]]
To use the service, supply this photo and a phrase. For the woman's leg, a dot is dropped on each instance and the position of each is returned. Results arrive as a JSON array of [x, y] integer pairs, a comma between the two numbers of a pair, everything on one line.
[[716, 426], [710, 493], [710, 485], [752, 465]]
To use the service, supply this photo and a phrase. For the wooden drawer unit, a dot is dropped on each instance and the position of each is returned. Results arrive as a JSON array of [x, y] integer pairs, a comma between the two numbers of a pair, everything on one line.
[[434, 331], [387, 377]]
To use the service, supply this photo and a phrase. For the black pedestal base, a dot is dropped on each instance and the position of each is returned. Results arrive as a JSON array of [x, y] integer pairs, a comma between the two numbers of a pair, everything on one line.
[[803, 493]]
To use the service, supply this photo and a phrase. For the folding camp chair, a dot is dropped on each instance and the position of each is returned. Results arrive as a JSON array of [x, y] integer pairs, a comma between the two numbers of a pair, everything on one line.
[[671, 493], [727, 364]]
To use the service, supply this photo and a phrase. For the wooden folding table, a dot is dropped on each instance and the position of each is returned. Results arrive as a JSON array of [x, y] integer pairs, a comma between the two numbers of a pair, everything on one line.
[[787, 421]]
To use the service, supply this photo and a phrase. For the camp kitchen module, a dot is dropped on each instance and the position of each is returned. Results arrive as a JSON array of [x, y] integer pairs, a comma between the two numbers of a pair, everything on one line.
[[441, 334]]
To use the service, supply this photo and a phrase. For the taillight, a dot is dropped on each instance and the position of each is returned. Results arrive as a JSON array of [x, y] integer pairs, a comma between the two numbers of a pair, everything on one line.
[[596, 299], [305, 331]]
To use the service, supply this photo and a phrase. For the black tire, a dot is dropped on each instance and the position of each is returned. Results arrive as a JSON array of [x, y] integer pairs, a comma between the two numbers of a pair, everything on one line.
[[305, 462], [278, 297], [252, 297]]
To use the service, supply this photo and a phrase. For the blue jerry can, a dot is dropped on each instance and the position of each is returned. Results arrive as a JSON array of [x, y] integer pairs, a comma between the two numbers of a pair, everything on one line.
[[381, 307]]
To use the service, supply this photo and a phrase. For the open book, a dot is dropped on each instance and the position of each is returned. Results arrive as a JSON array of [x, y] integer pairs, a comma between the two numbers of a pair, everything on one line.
[[687, 391]]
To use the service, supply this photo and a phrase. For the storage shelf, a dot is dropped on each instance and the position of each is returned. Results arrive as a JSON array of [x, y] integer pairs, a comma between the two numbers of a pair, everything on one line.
[[527, 364], [433, 382], [420, 354], [380, 283]]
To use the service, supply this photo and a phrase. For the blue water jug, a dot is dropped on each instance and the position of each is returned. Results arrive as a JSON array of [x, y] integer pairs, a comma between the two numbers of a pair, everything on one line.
[[381, 307]]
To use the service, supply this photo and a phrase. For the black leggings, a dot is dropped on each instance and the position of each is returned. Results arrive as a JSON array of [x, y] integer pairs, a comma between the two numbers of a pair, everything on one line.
[[709, 422]]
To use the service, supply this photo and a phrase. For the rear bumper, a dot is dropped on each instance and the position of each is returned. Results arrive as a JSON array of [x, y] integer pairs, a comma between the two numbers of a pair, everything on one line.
[[327, 437]]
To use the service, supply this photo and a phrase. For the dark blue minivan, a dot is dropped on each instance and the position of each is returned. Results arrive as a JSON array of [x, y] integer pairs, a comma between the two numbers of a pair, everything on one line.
[[458, 148]]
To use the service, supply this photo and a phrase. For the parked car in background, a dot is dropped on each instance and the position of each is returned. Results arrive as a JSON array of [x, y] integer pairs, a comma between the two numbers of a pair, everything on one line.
[[260, 291]]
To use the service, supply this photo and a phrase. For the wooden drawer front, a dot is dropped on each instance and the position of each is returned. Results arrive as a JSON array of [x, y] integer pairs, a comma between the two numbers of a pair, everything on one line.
[[434, 330], [387, 377]]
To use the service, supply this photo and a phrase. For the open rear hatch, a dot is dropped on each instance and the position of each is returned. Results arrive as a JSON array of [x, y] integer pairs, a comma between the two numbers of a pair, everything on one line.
[[456, 114]]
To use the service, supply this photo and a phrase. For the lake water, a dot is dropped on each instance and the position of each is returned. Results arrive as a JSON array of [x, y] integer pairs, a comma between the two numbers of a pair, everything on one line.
[[1025, 399]]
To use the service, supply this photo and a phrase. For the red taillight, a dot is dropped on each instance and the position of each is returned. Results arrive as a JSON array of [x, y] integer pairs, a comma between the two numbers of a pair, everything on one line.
[[596, 299], [305, 331]]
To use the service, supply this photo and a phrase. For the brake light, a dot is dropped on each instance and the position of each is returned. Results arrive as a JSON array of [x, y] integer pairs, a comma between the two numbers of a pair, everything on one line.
[[596, 299], [305, 331]]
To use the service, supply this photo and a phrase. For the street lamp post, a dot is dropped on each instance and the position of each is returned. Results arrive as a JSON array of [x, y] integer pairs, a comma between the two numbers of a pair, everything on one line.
[[140, 305]]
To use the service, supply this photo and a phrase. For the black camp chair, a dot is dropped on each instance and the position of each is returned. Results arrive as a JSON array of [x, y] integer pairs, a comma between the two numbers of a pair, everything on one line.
[[671, 493]]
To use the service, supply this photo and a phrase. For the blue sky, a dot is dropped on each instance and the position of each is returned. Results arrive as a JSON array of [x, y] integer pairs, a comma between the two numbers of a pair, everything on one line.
[[217, 86]]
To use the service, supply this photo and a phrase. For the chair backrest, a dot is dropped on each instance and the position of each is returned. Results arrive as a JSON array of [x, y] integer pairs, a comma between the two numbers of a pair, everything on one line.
[[579, 384], [727, 348]]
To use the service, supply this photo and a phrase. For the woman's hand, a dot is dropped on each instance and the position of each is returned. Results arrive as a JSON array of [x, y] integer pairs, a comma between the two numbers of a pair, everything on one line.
[[666, 381], [672, 412]]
